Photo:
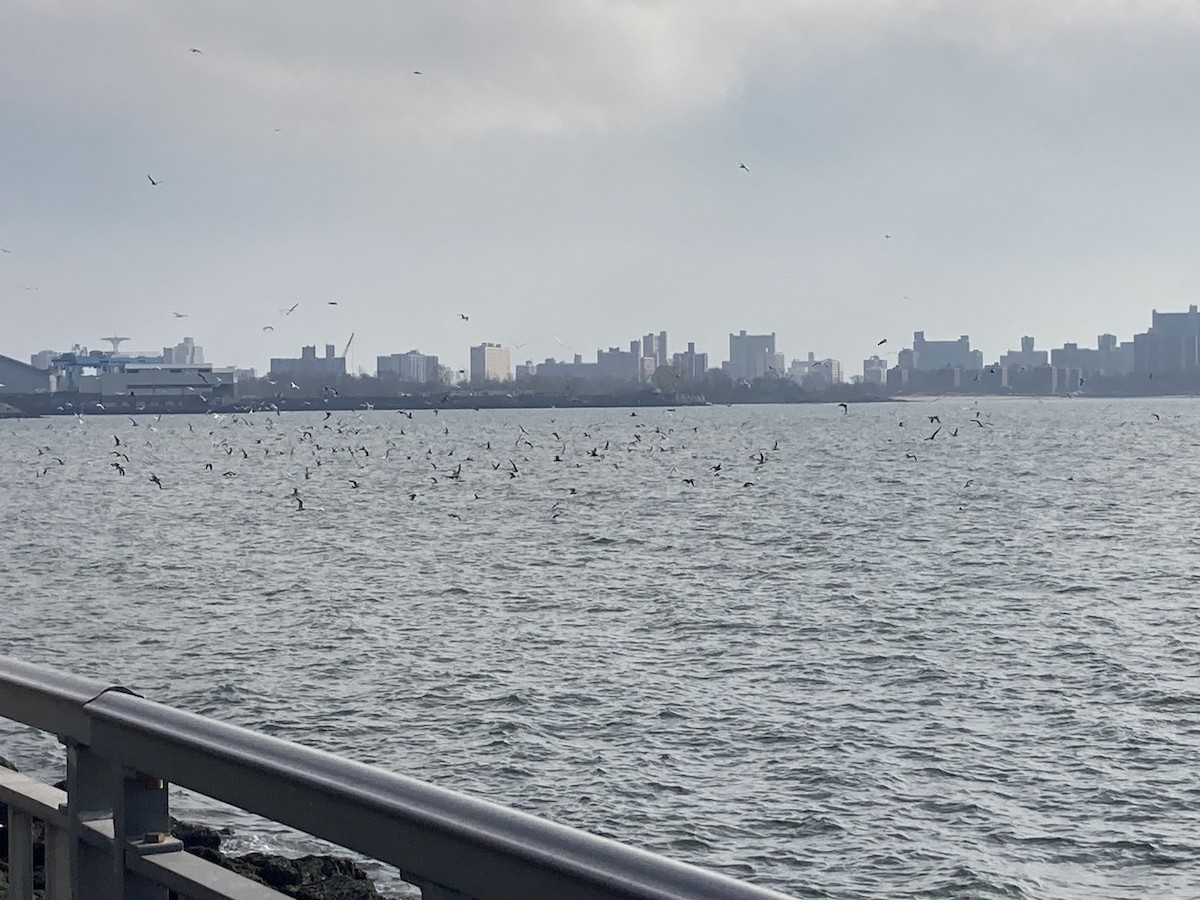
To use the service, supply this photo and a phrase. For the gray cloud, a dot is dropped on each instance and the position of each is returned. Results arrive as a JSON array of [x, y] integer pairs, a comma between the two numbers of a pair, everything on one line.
[[570, 171]]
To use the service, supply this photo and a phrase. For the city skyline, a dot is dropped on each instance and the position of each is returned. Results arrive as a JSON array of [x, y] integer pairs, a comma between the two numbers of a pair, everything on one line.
[[564, 177], [748, 356]]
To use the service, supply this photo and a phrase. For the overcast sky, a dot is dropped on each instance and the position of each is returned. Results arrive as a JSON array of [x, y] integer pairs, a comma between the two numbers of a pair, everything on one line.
[[567, 174]]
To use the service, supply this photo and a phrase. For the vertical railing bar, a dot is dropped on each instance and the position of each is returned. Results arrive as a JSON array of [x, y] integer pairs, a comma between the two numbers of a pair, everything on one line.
[[58, 863], [20, 854]]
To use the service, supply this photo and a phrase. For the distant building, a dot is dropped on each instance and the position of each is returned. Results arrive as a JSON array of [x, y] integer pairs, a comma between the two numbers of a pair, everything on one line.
[[928, 356], [613, 364], [690, 364], [412, 366], [750, 356], [529, 370], [1172, 344], [1026, 356], [654, 346], [1109, 358], [43, 359], [875, 371], [618, 364], [18, 378], [185, 353], [309, 365], [813, 372], [145, 381], [490, 362]]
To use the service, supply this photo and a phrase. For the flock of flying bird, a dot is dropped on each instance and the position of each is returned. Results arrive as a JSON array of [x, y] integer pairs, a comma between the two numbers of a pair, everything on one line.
[[418, 454]]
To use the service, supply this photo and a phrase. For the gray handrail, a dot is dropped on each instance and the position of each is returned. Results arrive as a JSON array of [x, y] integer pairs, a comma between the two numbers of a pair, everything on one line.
[[438, 838], [47, 699]]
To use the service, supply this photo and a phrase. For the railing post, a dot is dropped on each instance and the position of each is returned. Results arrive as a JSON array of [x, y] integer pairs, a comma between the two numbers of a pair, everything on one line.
[[20, 854], [58, 863], [141, 824], [91, 785]]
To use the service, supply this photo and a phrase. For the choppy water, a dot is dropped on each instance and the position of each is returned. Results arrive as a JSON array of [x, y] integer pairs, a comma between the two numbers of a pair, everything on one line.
[[972, 674]]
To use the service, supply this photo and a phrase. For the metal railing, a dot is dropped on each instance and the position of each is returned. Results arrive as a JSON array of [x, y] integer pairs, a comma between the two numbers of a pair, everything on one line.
[[108, 835]]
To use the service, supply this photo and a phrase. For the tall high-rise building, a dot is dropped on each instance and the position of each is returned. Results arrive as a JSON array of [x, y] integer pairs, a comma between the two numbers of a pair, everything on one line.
[[413, 366], [185, 353], [690, 364], [875, 371], [491, 362], [751, 355], [931, 355], [1172, 343], [1027, 356]]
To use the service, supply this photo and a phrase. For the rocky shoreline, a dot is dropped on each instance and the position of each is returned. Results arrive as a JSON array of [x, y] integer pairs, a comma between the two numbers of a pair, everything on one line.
[[305, 878]]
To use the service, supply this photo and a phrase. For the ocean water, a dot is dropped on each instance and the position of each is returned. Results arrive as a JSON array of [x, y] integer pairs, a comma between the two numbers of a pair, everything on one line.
[[850, 662]]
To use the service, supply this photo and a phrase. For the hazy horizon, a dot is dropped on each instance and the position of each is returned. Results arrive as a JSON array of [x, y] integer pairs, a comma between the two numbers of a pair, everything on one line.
[[570, 177]]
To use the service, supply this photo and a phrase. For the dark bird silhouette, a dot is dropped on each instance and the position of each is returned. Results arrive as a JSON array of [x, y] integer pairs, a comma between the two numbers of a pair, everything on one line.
[[844, 408], [1157, 417], [291, 309], [742, 165], [331, 303], [197, 50], [416, 72], [153, 183], [691, 481], [208, 466], [353, 483], [748, 484], [154, 478], [179, 315], [120, 469], [465, 318], [911, 456], [935, 434], [299, 503], [933, 419], [881, 343]]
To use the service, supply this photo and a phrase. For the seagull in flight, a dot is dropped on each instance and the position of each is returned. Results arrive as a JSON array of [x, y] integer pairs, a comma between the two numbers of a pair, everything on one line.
[[268, 328], [179, 315], [416, 72], [291, 309], [197, 50], [153, 183], [465, 318], [881, 343]]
